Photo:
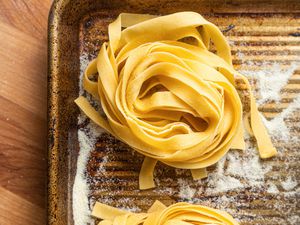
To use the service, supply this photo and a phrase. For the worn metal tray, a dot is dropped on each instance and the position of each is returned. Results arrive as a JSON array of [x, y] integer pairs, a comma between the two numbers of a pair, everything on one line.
[[259, 31]]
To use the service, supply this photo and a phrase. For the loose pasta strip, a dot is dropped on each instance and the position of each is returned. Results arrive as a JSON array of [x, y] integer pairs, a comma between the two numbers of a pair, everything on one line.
[[166, 95]]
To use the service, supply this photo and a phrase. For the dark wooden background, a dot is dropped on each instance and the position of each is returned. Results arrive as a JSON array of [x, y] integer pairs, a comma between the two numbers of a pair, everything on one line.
[[23, 105]]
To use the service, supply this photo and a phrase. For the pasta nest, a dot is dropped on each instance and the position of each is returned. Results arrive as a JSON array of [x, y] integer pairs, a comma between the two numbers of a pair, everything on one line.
[[158, 214], [167, 88]]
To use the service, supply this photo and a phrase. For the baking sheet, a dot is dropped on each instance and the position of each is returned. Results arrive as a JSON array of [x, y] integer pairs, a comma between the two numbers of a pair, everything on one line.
[[262, 44]]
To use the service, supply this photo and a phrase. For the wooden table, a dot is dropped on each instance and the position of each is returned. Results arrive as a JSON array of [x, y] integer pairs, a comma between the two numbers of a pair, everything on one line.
[[23, 105]]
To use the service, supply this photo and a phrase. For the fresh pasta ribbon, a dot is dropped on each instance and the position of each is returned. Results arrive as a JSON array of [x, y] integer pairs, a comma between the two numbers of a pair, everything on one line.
[[158, 214], [167, 95]]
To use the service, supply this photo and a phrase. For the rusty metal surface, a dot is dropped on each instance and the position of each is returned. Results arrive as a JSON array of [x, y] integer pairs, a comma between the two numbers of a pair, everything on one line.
[[268, 33]]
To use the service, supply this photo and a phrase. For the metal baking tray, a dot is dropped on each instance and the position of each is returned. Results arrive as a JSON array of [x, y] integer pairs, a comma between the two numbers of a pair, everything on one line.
[[263, 31]]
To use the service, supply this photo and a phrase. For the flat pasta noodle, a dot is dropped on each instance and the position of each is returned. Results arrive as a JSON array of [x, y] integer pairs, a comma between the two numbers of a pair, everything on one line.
[[158, 214], [166, 95]]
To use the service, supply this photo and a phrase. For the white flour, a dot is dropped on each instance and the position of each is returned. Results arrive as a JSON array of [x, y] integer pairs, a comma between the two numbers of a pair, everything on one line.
[[185, 192], [271, 79], [277, 127], [289, 184], [84, 61], [87, 139], [219, 182], [81, 210], [272, 189]]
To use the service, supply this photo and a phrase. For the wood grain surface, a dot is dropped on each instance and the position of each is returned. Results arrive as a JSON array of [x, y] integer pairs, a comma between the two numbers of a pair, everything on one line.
[[23, 105]]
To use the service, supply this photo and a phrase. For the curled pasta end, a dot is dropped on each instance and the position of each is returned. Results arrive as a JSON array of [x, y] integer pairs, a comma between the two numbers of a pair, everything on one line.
[[146, 180], [269, 153], [157, 206], [199, 174]]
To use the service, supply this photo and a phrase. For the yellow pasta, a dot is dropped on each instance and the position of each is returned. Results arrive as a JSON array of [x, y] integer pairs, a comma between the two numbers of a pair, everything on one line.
[[167, 95], [176, 214]]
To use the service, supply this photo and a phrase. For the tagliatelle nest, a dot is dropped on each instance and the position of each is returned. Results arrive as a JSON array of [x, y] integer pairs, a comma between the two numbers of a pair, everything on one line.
[[166, 95], [176, 214]]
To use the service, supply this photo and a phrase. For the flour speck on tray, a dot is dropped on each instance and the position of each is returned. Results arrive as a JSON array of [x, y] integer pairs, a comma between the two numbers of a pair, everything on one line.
[[84, 61], [219, 182], [278, 128], [272, 77], [185, 191], [289, 184], [272, 188]]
